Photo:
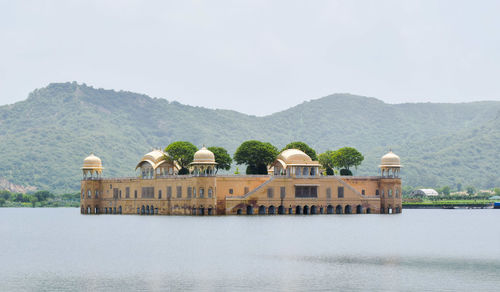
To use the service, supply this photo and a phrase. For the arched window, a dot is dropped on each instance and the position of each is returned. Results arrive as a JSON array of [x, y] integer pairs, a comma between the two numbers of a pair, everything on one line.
[[210, 191], [390, 193], [89, 194], [298, 171], [194, 192], [202, 192], [383, 193], [96, 194], [305, 171]]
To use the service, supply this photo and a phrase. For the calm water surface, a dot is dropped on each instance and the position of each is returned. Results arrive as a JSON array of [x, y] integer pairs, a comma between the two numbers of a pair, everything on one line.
[[419, 250]]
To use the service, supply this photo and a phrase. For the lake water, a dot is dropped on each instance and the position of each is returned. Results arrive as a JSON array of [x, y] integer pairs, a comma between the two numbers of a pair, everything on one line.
[[419, 250]]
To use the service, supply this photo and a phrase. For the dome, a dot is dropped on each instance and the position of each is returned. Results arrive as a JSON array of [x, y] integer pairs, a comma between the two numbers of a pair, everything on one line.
[[92, 162], [204, 156], [155, 158], [391, 160], [294, 156]]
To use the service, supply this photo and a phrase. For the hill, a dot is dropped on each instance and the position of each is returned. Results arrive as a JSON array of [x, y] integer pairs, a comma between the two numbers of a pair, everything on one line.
[[44, 138]]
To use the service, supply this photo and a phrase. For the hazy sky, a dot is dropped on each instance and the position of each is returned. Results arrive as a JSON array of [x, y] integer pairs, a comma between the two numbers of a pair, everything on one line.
[[257, 57]]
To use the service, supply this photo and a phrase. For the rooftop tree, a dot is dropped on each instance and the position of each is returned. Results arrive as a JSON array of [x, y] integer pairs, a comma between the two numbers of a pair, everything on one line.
[[182, 152], [222, 158], [346, 157], [302, 147], [256, 155], [326, 160]]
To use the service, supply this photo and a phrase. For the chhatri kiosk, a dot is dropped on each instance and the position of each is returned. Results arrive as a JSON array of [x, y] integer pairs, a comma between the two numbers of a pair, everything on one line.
[[294, 185]]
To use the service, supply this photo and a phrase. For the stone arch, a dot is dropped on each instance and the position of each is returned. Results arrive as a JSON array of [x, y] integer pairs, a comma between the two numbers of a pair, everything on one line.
[[348, 209], [262, 210], [239, 211], [329, 209], [119, 209], [138, 211], [147, 210], [201, 210], [338, 209], [249, 210], [306, 210], [271, 210], [368, 211], [143, 210], [314, 210], [193, 211], [359, 209], [152, 210], [322, 210], [298, 210], [210, 210], [96, 210], [281, 210]]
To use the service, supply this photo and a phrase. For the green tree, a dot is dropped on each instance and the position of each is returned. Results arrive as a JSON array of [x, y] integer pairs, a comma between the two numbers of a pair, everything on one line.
[[497, 191], [346, 157], [256, 155], [222, 158], [326, 160], [4, 194], [2, 202], [33, 200], [18, 197], [42, 195], [302, 147], [182, 152], [471, 190], [445, 190]]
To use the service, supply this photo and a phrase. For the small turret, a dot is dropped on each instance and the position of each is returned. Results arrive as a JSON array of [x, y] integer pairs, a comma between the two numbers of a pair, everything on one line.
[[92, 167]]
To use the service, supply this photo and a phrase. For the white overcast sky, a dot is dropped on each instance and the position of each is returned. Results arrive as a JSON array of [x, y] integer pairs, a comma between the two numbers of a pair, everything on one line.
[[256, 57]]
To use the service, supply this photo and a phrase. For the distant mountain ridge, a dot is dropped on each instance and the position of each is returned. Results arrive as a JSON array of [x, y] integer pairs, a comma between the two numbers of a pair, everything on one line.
[[44, 138]]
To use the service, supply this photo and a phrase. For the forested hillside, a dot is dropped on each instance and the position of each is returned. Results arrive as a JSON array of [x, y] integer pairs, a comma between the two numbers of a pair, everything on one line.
[[44, 139]]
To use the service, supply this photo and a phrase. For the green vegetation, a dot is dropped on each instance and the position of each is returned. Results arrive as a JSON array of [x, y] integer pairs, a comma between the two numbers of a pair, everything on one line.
[[38, 199], [45, 138], [182, 152], [346, 157], [222, 158], [256, 155], [450, 203], [302, 147], [326, 160]]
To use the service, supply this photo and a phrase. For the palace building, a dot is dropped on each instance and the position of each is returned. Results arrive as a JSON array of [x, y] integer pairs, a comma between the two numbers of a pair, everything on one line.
[[294, 185]]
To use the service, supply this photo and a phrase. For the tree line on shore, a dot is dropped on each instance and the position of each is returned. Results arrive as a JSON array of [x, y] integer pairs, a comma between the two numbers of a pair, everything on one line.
[[38, 199]]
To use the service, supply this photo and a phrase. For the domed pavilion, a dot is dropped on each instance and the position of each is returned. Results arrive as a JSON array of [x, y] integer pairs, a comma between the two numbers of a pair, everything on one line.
[[294, 162], [203, 162], [92, 167], [390, 165]]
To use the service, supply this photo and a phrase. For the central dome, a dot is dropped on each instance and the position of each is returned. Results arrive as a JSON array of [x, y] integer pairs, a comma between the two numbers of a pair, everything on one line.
[[390, 159], [204, 156], [294, 156]]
